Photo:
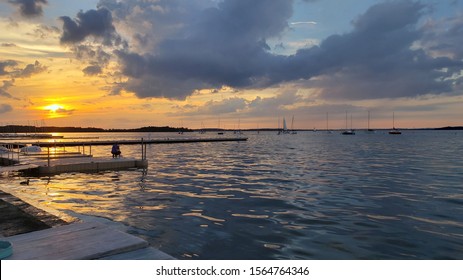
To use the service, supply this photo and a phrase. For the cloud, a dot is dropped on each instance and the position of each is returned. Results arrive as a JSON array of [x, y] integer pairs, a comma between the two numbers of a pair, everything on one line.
[[276, 105], [444, 37], [4, 89], [9, 45], [304, 23], [93, 23], [178, 47], [29, 8], [6, 66], [223, 45], [10, 68], [29, 70], [92, 70], [64, 112], [5, 108]]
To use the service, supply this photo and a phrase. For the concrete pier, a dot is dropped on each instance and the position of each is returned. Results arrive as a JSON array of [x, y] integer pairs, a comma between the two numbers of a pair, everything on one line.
[[81, 241]]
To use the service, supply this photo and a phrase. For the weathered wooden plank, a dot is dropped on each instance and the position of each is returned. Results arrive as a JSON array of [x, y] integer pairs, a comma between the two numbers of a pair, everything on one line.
[[77, 241]]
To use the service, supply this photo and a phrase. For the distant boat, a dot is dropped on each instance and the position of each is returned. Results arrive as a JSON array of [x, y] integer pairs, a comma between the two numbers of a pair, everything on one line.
[[285, 128], [348, 131], [292, 129], [394, 130], [369, 129], [31, 149]]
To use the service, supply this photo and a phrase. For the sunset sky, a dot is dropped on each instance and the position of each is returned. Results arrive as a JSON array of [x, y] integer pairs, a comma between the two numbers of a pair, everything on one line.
[[198, 63]]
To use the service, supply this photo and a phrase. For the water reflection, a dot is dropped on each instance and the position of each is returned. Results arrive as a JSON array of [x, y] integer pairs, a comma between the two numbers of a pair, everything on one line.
[[310, 195]]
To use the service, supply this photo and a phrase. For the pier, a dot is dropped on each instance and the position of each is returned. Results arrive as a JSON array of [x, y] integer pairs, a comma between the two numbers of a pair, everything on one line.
[[82, 241], [124, 142], [48, 163]]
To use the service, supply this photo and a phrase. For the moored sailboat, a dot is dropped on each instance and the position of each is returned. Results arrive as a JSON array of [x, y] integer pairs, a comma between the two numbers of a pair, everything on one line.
[[348, 131], [394, 130]]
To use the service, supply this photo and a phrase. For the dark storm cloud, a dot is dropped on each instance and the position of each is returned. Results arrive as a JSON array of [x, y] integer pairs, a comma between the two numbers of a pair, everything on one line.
[[226, 44], [95, 23], [376, 59], [29, 8]]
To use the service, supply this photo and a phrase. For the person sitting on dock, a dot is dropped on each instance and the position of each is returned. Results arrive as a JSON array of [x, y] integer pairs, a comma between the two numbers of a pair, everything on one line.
[[116, 151]]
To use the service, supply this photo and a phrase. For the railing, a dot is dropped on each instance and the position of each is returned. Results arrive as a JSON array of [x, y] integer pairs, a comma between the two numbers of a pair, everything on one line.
[[7, 153]]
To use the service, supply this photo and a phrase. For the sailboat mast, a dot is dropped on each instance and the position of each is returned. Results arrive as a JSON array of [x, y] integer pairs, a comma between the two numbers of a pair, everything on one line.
[[368, 120], [346, 120], [327, 121]]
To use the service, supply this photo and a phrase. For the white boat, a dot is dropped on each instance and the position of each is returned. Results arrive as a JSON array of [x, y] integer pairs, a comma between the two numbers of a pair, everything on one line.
[[285, 128], [31, 149], [3, 150]]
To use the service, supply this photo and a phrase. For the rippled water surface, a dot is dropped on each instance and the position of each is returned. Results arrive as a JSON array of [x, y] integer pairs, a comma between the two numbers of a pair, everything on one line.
[[312, 195]]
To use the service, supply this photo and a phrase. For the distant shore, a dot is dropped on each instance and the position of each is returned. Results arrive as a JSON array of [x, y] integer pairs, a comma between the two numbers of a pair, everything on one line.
[[56, 129]]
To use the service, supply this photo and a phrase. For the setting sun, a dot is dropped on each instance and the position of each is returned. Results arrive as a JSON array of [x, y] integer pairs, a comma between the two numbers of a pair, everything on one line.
[[53, 107]]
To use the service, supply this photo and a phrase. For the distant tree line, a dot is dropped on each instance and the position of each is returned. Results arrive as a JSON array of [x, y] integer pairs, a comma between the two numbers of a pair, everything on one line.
[[51, 129]]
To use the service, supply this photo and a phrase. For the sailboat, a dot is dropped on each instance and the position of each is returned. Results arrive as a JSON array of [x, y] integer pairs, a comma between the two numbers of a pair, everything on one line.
[[350, 131], [327, 127], [292, 129], [285, 128], [369, 129], [394, 130]]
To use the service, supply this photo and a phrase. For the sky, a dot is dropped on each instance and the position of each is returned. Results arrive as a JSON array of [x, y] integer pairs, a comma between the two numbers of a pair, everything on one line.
[[231, 63]]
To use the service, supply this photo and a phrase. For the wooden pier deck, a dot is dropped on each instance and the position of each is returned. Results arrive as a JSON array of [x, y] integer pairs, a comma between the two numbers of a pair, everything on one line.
[[40, 167], [127, 142], [82, 241]]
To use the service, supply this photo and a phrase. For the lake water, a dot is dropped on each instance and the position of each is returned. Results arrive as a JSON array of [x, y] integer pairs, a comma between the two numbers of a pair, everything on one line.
[[312, 195]]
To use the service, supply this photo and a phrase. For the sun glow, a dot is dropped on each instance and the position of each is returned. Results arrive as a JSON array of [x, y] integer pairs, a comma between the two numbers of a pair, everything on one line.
[[53, 107]]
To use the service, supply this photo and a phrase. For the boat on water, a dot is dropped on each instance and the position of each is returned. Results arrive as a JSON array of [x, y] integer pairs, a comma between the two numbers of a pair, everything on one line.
[[285, 128], [31, 149], [369, 129], [292, 126], [348, 131], [394, 130]]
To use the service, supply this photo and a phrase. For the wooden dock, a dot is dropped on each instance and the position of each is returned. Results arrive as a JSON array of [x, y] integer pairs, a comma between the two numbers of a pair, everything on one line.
[[41, 167], [128, 142], [82, 241]]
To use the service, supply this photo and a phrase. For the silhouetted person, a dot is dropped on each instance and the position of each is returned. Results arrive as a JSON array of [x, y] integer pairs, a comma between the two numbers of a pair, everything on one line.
[[116, 151]]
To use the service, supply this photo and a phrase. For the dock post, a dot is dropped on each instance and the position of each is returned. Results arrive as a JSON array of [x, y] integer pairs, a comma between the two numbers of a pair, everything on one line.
[[142, 150], [48, 148]]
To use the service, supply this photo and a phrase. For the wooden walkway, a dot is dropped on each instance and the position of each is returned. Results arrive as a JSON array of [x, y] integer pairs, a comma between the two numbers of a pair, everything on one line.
[[81, 241], [128, 142], [39, 166]]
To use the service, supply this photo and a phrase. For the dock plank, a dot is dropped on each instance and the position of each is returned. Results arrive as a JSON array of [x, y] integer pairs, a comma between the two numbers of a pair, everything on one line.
[[78, 241]]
